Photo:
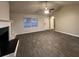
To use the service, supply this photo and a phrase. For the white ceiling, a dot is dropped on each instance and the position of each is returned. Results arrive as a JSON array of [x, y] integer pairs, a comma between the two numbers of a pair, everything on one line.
[[32, 7]]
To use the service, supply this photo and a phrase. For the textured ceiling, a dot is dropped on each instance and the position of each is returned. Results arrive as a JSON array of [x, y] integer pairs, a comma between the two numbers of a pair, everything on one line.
[[32, 7]]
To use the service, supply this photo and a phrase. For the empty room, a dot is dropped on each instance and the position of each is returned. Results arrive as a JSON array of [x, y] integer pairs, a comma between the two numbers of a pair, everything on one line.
[[39, 28]]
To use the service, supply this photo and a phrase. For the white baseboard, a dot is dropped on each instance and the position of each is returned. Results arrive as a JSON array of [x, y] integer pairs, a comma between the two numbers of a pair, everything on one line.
[[32, 31], [16, 48], [67, 33]]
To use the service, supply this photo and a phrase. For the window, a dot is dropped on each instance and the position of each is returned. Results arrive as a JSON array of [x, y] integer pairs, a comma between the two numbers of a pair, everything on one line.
[[30, 22]]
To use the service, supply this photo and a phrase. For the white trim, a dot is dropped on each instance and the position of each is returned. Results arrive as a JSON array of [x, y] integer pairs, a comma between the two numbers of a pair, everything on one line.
[[16, 48], [67, 33]]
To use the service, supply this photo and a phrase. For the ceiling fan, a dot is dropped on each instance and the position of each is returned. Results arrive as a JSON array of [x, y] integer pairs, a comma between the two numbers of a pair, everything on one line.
[[46, 10]]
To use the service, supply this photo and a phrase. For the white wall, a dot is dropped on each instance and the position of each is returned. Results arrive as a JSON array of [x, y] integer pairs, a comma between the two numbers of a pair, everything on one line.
[[4, 10], [67, 20], [18, 25]]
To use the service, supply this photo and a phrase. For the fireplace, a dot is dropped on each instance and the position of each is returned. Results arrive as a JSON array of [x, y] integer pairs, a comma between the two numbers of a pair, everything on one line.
[[4, 40]]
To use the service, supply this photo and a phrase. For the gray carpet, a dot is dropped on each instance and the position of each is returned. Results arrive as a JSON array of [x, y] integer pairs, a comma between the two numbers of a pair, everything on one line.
[[47, 44]]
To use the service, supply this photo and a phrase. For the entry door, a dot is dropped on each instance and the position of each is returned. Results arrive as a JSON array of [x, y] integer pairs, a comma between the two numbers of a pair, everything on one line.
[[51, 23]]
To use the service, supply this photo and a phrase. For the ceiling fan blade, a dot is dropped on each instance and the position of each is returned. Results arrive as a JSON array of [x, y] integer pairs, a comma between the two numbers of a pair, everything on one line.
[[51, 9]]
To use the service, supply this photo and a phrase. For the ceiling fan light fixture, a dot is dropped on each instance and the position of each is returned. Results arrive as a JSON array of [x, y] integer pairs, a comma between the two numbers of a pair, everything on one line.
[[46, 11]]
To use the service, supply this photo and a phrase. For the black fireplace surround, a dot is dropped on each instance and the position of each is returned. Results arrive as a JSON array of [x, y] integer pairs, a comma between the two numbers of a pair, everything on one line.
[[6, 46], [4, 40]]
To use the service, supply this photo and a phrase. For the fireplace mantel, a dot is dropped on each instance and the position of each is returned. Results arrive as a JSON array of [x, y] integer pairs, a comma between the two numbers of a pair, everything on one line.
[[4, 20]]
